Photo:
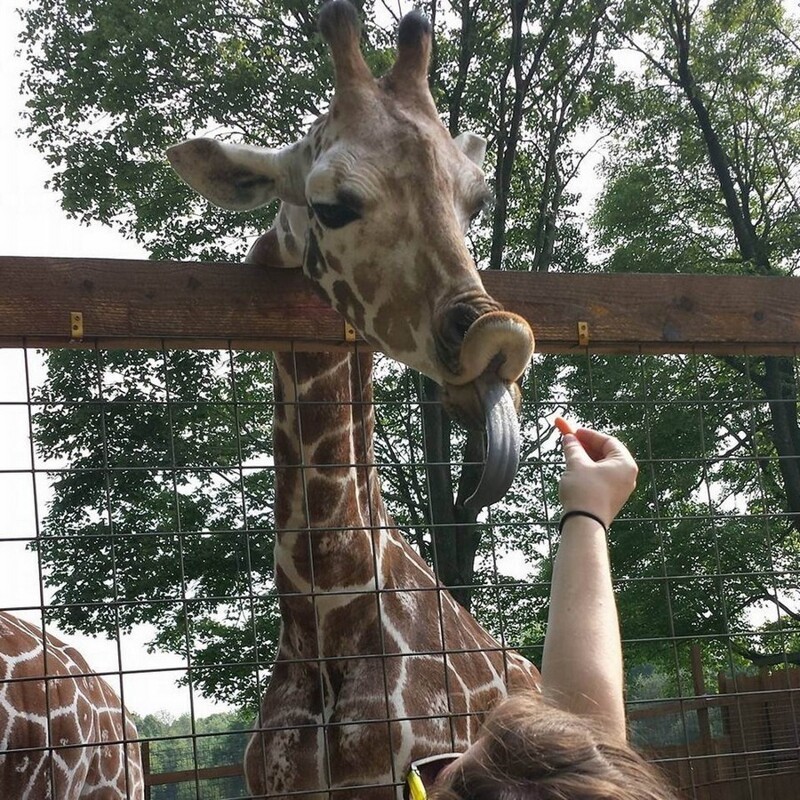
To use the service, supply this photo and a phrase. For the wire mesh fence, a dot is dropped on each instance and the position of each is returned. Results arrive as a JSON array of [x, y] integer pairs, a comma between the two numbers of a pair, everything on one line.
[[139, 496]]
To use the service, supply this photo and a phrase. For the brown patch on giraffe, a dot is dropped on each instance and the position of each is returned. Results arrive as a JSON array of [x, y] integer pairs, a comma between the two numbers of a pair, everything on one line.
[[112, 755], [354, 640], [325, 494], [331, 449], [334, 263], [285, 445], [364, 278], [313, 260], [348, 305], [69, 733], [287, 237], [313, 423], [394, 330]]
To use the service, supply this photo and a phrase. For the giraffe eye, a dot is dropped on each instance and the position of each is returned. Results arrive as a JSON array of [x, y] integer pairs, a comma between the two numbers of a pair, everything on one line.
[[334, 215], [481, 206]]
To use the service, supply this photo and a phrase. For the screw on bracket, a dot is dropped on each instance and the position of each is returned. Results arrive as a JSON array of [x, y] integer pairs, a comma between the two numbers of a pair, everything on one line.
[[583, 333], [75, 326]]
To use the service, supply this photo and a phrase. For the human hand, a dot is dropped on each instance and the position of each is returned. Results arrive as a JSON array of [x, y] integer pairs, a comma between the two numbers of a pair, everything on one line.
[[600, 474]]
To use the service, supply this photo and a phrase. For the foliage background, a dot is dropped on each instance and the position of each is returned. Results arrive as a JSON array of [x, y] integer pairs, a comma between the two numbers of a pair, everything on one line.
[[623, 136]]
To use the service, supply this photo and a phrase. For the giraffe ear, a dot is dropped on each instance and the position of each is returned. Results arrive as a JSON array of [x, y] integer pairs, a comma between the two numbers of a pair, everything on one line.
[[472, 146], [240, 177]]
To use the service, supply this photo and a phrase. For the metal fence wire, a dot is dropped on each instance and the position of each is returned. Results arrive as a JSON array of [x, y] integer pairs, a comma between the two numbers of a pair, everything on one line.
[[138, 490]]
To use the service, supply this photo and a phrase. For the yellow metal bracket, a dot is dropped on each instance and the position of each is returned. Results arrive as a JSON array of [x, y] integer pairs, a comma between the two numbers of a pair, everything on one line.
[[350, 334], [75, 325], [583, 333]]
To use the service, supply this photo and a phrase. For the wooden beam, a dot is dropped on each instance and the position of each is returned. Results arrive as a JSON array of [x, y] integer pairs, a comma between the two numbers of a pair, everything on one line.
[[127, 304]]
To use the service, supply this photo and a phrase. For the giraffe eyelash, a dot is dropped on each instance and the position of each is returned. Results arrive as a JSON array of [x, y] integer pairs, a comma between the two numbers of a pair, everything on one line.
[[334, 215]]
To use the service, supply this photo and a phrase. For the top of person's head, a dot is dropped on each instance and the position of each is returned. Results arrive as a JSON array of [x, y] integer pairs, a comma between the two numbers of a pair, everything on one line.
[[532, 750]]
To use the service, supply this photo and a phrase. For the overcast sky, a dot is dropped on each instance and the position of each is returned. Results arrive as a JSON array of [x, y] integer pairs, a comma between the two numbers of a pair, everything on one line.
[[33, 224]]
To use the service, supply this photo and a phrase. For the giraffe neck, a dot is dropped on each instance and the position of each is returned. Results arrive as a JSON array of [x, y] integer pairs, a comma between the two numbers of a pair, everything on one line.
[[330, 517]]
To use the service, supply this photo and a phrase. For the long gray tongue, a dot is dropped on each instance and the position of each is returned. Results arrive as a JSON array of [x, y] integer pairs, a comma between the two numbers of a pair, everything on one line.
[[502, 443]]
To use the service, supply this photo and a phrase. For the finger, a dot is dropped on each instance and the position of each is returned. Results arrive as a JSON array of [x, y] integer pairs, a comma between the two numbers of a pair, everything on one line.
[[601, 446], [574, 451], [593, 442]]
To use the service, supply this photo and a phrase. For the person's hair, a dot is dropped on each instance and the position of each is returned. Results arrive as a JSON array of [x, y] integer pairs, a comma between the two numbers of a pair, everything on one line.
[[531, 750]]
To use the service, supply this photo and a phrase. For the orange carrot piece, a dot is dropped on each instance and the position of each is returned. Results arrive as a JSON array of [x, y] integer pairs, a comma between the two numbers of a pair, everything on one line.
[[563, 425]]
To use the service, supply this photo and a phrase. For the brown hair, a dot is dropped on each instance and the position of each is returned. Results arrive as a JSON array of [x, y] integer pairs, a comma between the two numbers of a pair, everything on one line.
[[532, 750]]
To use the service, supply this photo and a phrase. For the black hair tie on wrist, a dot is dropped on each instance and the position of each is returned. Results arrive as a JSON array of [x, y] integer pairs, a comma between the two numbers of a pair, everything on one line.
[[569, 514]]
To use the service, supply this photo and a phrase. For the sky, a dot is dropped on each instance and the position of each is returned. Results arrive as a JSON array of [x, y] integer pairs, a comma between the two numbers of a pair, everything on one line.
[[33, 224]]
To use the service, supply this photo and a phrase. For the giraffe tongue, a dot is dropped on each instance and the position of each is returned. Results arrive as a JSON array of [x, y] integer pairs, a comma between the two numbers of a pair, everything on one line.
[[502, 443]]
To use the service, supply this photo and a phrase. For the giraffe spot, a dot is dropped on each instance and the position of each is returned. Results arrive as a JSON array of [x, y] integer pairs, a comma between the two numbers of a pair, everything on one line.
[[324, 493], [284, 444], [331, 449], [364, 277], [313, 261], [394, 328], [348, 305]]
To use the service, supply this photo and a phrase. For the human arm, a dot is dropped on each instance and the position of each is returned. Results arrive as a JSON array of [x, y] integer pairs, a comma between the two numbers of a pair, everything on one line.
[[582, 660]]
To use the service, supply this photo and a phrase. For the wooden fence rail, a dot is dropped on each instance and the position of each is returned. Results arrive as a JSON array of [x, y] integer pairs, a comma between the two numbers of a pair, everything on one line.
[[126, 303]]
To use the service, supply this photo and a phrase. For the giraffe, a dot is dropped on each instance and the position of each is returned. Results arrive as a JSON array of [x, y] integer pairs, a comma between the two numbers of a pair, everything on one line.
[[62, 728], [377, 665]]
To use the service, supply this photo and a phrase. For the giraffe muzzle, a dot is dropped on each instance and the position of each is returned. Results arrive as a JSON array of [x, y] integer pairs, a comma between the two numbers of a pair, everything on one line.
[[498, 342]]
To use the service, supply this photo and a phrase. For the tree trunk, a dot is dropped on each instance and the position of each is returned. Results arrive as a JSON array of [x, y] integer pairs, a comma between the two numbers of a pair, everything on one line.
[[780, 386], [454, 537]]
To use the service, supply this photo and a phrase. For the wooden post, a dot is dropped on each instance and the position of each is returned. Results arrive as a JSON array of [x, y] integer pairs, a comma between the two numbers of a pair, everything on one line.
[[145, 748], [708, 770]]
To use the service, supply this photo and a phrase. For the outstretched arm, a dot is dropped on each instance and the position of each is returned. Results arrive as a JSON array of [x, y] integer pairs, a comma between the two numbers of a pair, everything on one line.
[[582, 661]]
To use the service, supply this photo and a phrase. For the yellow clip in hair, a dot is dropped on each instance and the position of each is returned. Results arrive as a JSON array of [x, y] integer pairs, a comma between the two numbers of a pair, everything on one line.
[[416, 787]]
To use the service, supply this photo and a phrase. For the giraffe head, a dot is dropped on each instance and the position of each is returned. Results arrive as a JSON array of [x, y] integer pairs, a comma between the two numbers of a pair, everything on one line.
[[377, 198]]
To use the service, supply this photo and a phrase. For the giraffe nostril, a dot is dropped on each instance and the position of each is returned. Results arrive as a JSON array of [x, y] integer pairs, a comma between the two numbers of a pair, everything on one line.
[[453, 327], [457, 321]]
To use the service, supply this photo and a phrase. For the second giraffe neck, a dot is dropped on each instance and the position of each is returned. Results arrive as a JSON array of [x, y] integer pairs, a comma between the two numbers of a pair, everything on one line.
[[329, 512]]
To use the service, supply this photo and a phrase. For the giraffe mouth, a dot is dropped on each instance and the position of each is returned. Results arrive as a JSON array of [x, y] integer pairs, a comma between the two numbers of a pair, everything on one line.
[[485, 396]]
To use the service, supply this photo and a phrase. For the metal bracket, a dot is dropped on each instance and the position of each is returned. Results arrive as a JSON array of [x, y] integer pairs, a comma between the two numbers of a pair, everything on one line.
[[75, 326], [350, 334], [583, 334]]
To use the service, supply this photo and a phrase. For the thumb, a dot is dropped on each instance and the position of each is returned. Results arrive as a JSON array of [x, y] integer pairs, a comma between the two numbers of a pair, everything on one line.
[[574, 452]]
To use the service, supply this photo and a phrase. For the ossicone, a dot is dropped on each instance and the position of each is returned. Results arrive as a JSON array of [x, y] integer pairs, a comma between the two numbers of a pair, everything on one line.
[[338, 20], [413, 50], [413, 30], [341, 28]]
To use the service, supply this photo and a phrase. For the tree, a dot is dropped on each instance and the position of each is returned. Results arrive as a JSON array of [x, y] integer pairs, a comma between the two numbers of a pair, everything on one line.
[[186, 744], [700, 174], [152, 521], [706, 180], [111, 85]]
